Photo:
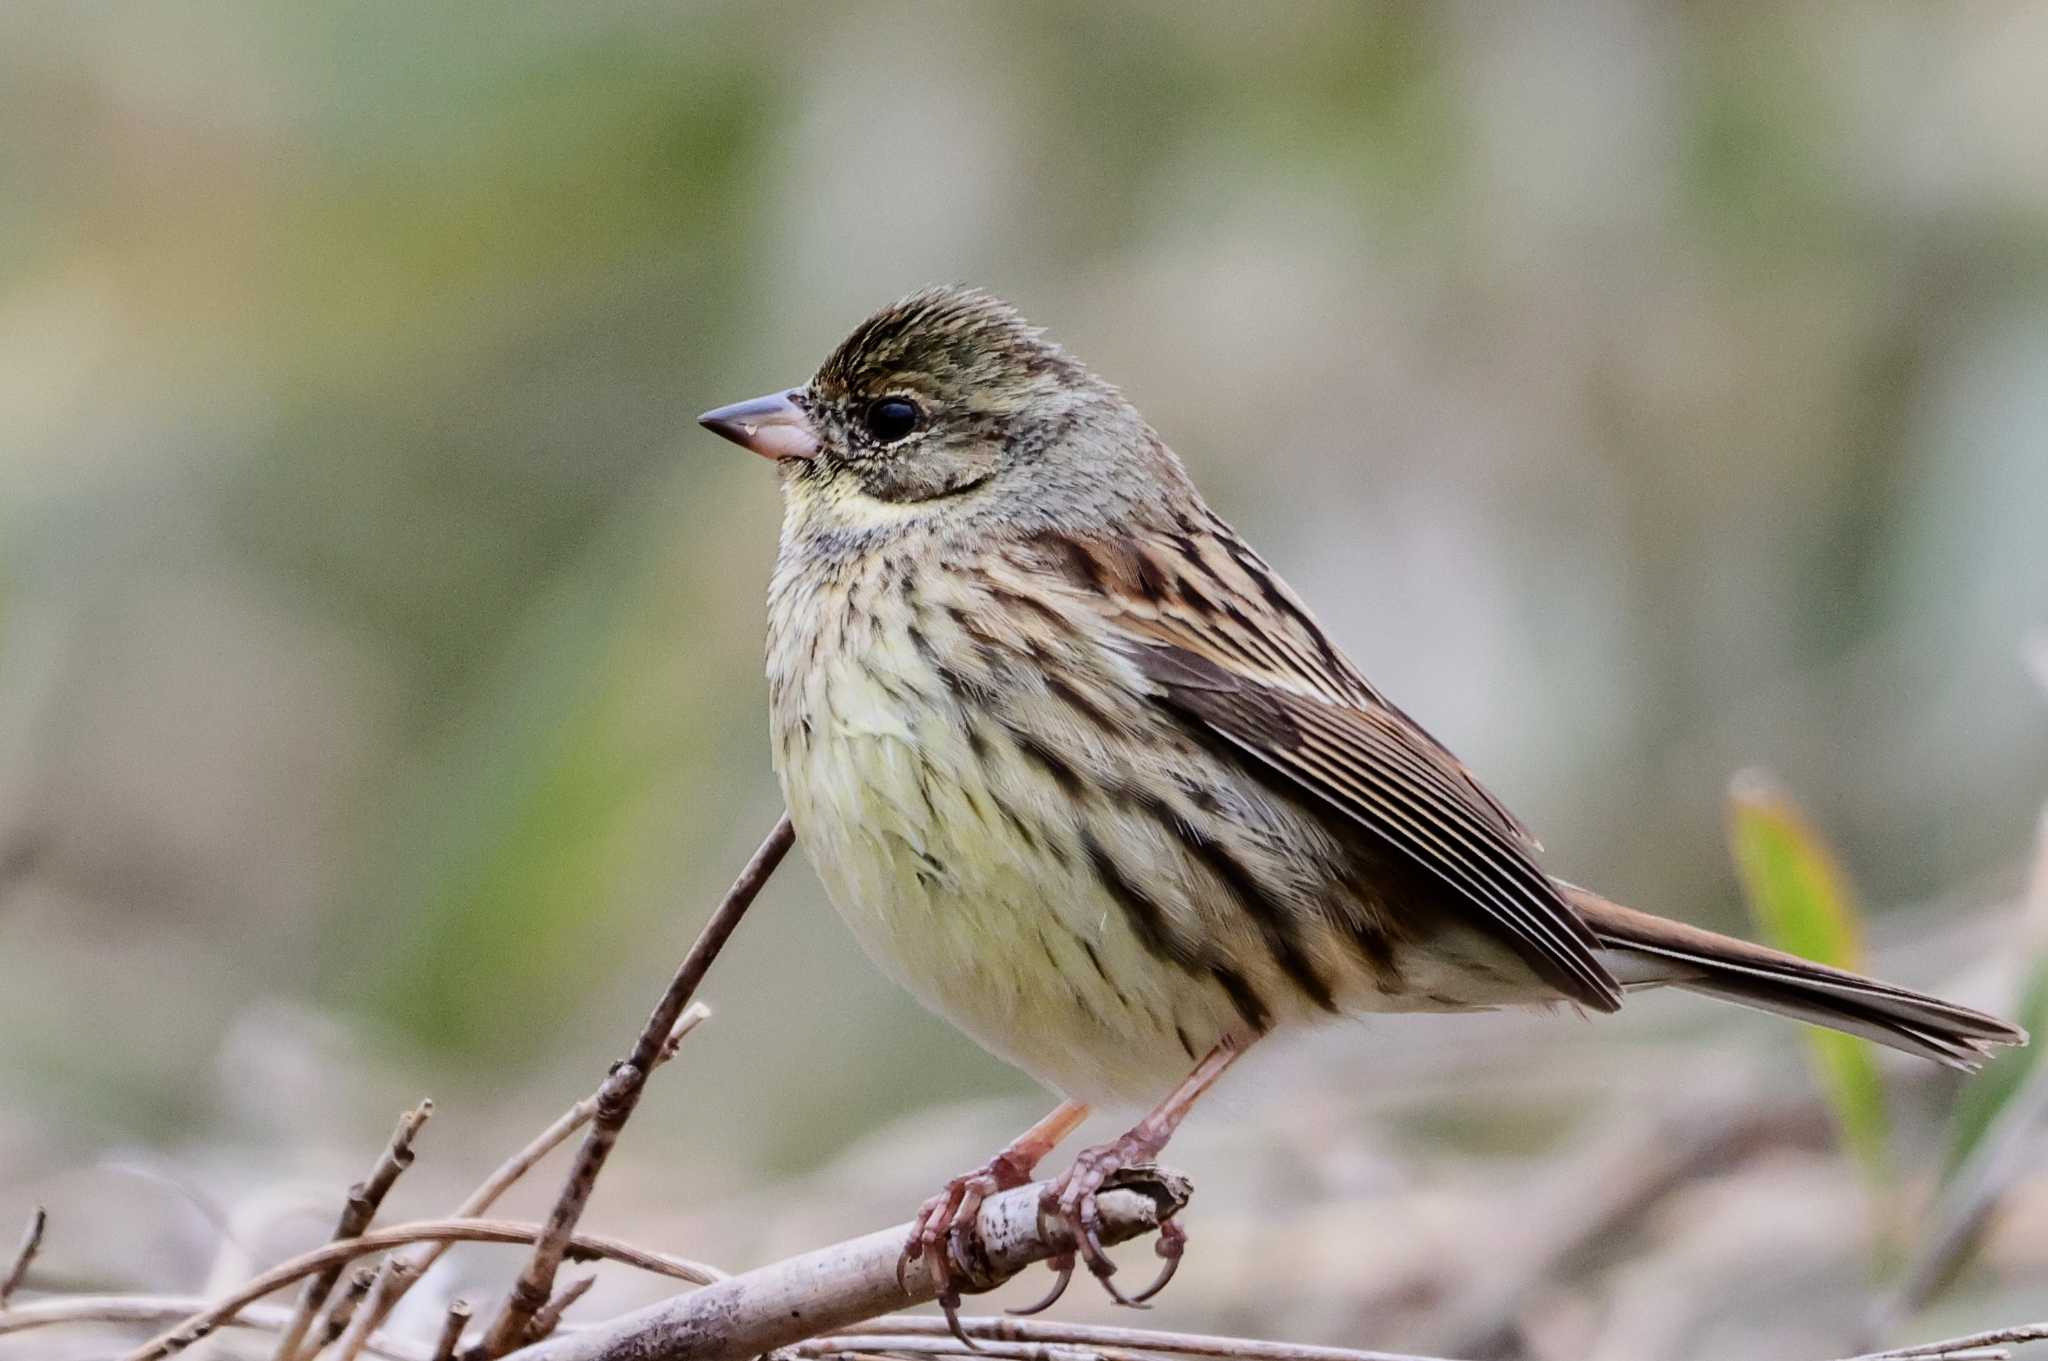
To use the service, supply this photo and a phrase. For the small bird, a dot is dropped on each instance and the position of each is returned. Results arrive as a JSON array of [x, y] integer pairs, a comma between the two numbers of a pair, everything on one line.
[[1088, 779]]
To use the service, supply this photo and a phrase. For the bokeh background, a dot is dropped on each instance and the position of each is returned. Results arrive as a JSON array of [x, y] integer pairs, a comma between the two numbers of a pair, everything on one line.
[[1639, 392]]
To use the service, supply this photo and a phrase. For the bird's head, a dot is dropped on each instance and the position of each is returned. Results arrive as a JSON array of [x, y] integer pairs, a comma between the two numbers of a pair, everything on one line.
[[946, 401]]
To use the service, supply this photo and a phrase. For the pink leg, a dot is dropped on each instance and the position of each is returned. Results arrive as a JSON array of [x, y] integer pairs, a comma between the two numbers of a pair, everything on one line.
[[1071, 1198], [948, 1217]]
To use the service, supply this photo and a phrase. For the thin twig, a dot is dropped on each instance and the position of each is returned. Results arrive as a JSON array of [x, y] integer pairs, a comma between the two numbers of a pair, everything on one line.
[[31, 1242], [401, 1271], [1994, 1343], [357, 1211], [549, 1316], [879, 1344], [341, 1310], [156, 1310], [621, 1093], [835, 1287], [395, 1275], [582, 1247], [1051, 1332], [451, 1330]]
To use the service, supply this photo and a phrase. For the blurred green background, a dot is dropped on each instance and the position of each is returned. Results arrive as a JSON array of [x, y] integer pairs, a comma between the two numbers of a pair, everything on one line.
[[1638, 392]]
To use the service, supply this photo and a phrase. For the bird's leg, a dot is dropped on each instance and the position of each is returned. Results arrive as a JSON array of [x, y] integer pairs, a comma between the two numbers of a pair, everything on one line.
[[942, 1225], [1071, 1198]]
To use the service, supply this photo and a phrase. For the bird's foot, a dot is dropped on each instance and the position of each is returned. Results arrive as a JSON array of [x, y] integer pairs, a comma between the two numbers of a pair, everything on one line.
[[1070, 1200], [941, 1235]]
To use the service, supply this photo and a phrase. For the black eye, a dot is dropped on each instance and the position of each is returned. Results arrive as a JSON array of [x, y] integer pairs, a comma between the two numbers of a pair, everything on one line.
[[891, 418]]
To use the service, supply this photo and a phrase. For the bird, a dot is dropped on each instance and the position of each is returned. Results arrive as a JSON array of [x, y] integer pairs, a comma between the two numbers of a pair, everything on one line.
[[1085, 775]]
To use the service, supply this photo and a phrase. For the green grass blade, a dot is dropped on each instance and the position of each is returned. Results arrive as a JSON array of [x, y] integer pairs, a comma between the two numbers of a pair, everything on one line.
[[1803, 903]]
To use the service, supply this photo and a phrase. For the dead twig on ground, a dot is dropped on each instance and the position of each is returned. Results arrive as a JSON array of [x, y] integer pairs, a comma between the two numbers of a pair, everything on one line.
[[895, 1332], [621, 1093], [155, 1310], [581, 1247], [401, 1271], [31, 1242], [1994, 1345], [357, 1211], [835, 1287]]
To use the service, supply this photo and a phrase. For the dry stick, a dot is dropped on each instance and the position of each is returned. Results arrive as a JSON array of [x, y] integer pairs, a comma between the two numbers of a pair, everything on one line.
[[338, 1255], [895, 1332], [341, 1310], [831, 1288], [549, 1317], [1095, 1337], [451, 1330], [357, 1211], [881, 1344], [921, 1334], [401, 1271], [621, 1093], [160, 1309], [1987, 1344], [31, 1240]]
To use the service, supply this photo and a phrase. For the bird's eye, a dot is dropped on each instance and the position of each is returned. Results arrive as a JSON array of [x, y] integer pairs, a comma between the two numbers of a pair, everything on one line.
[[891, 418]]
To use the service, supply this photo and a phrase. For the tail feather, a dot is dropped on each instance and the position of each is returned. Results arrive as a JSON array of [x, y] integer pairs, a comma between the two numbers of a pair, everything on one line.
[[1644, 951]]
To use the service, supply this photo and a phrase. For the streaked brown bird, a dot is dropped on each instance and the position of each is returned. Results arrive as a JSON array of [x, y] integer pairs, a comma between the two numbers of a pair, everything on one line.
[[1085, 776]]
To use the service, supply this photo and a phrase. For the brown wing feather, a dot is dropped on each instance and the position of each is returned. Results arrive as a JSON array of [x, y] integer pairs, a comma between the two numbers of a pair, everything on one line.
[[1233, 652]]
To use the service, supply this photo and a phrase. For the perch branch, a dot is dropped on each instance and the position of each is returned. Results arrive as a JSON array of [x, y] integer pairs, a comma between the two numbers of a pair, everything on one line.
[[621, 1093], [581, 1247], [402, 1270], [834, 1287], [357, 1211], [31, 1241]]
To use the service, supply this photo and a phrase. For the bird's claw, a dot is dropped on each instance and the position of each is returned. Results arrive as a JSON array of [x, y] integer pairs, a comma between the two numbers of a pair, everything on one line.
[[1172, 1242], [942, 1235], [1064, 1266], [1071, 1202]]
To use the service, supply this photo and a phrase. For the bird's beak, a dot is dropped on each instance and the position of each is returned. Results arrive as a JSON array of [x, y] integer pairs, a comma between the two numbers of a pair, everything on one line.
[[773, 426]]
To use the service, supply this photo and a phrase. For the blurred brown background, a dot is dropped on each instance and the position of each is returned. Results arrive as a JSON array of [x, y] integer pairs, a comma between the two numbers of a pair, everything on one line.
[[1638, 391]]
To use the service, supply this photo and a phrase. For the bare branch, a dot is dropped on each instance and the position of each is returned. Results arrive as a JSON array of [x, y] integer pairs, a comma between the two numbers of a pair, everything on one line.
[[582, 1247], [743, 1316], [364, 1199], [155, 1310], [919, 1333], [451, 1330], [550, 1314], [913, 1344], [621, 1093], [1987, 1346], [31, 1241], [402, 1270], [341, 1310]]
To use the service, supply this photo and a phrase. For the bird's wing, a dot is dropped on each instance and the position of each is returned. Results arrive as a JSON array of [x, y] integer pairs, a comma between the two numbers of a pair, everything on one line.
[[1232, 651]]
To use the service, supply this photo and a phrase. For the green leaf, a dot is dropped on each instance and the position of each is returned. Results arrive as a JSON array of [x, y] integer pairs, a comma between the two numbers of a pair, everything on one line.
[[1978, 1105], [1803, 904]]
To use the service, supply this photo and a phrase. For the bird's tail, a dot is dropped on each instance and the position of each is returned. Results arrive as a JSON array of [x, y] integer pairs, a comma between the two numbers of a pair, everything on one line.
[[1643, 951]]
